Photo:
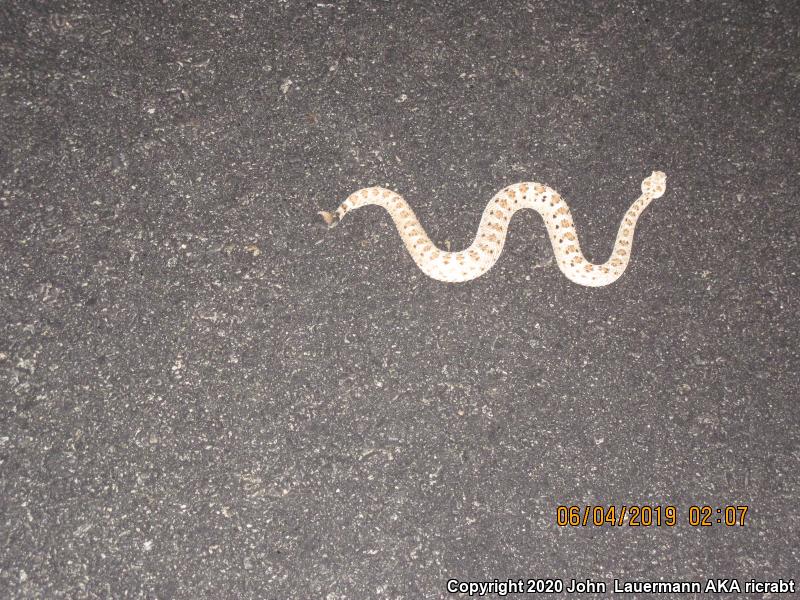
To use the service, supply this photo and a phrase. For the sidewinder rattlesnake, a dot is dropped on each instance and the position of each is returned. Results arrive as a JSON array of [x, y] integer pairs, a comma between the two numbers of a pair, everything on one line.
[[491, 236]]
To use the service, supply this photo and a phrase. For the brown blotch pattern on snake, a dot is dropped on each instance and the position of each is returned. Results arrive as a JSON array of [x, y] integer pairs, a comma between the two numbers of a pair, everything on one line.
[[485, 250]]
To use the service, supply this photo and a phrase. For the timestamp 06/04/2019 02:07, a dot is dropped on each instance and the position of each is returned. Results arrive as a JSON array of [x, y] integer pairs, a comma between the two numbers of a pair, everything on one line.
[[649, 516]]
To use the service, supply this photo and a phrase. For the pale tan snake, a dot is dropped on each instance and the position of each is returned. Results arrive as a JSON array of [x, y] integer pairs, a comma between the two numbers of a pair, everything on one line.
[[485, 250]]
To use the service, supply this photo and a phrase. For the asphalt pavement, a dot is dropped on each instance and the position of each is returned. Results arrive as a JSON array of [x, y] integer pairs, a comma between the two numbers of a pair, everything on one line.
[[206, 393]]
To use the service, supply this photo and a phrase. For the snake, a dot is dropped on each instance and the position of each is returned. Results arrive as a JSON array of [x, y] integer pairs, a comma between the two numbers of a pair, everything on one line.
[[485, 250]]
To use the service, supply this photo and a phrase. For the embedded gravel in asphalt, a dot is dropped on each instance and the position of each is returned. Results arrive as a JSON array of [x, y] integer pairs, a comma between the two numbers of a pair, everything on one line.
[[207, 394]]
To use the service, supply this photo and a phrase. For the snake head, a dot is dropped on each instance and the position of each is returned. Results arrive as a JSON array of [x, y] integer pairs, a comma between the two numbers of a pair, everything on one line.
[[331, 219], [655, 185]]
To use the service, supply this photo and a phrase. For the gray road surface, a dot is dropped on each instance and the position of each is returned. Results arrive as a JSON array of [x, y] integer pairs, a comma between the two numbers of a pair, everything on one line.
[[206, 394]]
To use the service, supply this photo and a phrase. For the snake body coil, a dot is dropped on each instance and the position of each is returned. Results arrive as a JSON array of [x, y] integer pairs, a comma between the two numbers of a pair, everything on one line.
[[484, 251]]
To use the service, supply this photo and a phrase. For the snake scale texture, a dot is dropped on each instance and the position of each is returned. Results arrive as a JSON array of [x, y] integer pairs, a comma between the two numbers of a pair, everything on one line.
[[484, 251]]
